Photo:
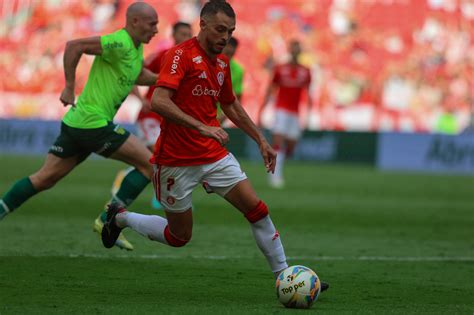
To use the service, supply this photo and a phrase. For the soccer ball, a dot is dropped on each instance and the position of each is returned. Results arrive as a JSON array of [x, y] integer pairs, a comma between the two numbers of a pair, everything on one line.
[[298, 287]]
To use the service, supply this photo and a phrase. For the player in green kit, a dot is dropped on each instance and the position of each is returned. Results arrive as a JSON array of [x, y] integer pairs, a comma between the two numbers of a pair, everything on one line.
[[236, 71], [88, 125]]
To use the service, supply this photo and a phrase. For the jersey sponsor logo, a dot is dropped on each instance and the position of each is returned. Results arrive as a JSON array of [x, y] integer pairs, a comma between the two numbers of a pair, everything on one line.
[[203, 75], [199, 91], [220, 78], [197, 59], [113, 45], [124, 81], [174, 65], [221, 63], [179, 52]]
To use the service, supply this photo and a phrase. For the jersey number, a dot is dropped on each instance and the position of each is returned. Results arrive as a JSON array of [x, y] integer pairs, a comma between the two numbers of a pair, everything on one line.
[[170, 182]]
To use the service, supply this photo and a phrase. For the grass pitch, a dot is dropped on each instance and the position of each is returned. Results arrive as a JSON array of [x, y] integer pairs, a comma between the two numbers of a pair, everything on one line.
[[386, 242]]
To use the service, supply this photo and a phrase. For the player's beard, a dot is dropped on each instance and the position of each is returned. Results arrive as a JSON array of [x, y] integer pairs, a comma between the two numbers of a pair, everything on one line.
[[216, 49]]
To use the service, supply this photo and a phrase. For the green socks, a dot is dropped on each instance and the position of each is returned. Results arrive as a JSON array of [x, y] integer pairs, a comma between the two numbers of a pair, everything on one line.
[[132, 185], [20, 192]]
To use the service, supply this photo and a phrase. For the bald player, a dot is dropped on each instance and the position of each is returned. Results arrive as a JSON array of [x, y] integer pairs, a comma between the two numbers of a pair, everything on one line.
[[88, 125]]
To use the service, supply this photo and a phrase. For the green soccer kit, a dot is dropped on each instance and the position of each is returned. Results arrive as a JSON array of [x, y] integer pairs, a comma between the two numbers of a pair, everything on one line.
[[237, 73], [111, 78]]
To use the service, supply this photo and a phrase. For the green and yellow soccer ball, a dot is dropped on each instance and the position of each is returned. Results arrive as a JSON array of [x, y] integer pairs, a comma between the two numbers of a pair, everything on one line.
[[298, 287]]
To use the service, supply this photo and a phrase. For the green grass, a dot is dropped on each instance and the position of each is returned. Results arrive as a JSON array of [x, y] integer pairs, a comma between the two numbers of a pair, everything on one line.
[[386, 242]]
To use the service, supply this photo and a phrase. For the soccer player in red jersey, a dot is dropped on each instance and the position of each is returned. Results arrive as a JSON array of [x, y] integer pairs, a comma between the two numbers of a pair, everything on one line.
[[290, 79], [191, 147], [148, 122]]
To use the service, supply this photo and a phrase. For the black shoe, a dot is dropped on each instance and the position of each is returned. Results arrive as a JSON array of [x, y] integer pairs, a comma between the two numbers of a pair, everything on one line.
[[324, 286], [110, 231]]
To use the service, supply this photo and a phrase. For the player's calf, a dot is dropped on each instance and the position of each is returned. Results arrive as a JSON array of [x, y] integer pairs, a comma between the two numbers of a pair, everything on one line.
[[267, 237], [173, 240], [153, 227]]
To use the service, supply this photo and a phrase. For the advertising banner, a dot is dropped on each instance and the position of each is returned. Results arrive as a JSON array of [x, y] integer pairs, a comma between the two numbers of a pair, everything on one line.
[[426, 152]]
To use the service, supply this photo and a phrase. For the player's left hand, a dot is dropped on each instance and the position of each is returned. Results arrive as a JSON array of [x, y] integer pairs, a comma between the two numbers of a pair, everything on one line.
[[269, 156], [217, 133]]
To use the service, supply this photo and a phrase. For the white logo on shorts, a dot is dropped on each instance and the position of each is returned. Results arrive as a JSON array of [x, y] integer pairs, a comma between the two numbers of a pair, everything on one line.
[[57, 148], [170, 200]]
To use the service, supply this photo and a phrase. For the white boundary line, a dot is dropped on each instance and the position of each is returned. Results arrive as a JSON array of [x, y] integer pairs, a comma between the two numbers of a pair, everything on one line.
[[310, 258]]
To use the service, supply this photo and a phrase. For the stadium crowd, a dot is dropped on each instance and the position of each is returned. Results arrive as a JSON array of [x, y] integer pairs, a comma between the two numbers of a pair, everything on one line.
[[376, 64]]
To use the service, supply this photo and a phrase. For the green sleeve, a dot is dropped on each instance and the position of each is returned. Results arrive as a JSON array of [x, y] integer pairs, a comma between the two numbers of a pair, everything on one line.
[[237, 73], [239, 84], [113, 46]]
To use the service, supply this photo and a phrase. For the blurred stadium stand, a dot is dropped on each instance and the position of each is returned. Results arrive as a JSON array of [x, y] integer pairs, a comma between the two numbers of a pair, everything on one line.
[[378, 65]]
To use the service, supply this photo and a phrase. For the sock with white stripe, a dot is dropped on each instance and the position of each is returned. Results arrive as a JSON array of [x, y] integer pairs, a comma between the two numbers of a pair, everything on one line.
[[20, 192], [268, 240], [4, 210], [150, 226], [267, 237]]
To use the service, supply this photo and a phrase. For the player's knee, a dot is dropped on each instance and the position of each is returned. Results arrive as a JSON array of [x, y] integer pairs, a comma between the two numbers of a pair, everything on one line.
[[146, 170], [176, 240], [259, 212], [41, 182]]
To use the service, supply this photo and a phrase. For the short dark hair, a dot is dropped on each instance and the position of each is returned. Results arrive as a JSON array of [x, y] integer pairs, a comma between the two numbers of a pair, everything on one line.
[[177, 25], [212, 7], [234, 42]]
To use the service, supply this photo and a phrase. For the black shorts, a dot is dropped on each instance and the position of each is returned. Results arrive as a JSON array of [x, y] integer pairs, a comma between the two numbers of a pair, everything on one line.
[[82, 142]]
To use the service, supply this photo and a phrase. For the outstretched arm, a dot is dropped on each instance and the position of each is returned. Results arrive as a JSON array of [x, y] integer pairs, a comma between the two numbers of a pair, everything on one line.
[[162, 104], [72, 55], [146, 77], [241, 119]]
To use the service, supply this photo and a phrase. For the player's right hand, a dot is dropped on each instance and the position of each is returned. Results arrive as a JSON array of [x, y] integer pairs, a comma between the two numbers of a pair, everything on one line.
[[269, 156], [216, 133], [67, 97]]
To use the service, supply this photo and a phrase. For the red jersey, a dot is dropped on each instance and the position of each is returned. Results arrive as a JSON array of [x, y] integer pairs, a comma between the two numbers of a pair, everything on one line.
[[291, 79], [199, 83], [154, 65]]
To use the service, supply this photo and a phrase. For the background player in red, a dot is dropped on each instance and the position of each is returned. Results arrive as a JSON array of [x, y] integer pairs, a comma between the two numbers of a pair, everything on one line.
[[190, 149], [148, 122], [290, 80]]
